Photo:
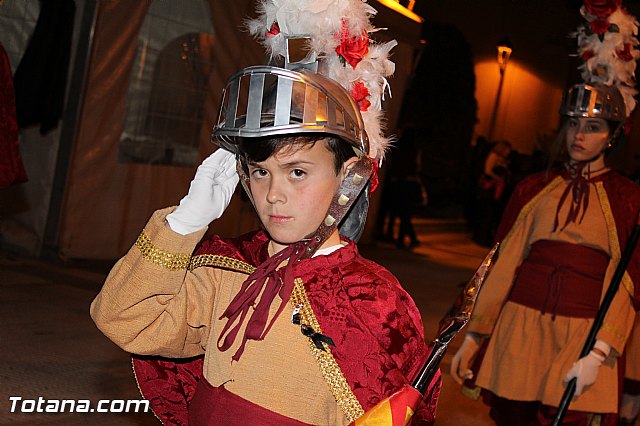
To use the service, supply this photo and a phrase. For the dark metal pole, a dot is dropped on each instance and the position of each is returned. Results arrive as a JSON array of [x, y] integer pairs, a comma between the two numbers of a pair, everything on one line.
[[570, 390]]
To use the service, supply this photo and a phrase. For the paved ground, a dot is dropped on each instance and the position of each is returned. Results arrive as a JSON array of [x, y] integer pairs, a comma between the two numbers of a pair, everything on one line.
[[51, 349]]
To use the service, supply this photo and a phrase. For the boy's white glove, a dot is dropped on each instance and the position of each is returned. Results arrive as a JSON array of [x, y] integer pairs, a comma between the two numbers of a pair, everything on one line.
[[209, 194], [461, 362], [587, 368]]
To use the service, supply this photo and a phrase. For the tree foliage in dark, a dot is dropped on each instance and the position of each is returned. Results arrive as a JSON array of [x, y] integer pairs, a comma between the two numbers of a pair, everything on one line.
[[440, 103]]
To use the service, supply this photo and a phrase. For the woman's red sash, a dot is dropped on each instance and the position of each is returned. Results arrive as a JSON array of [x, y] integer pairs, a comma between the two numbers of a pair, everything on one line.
[[561, 278]]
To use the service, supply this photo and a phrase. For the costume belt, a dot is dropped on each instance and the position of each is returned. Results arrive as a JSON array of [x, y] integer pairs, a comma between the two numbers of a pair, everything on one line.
[[213, 406], [561, 278]]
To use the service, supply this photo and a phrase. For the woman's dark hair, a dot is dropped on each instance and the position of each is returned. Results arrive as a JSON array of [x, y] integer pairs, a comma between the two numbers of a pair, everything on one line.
[[256, 150]]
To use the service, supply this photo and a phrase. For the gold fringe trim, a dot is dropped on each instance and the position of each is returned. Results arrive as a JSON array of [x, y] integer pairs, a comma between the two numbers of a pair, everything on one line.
[[222, 262], [612, 231], [182, 261], [329, 368], [168, 260], [529, 206]]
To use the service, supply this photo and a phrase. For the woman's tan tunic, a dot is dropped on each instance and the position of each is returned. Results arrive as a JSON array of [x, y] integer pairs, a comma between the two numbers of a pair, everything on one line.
[[529, 353]]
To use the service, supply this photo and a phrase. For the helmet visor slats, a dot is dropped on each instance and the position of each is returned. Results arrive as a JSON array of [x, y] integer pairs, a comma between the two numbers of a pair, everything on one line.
[[283, 101], [233, 91], [269, 101], [310, 105], [594, 101], [254, 109]]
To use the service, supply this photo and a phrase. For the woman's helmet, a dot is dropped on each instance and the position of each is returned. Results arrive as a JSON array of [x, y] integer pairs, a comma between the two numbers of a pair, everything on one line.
[[594, 101]]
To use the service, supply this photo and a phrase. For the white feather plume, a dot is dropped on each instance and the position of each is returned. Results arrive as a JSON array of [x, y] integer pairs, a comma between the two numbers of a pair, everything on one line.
[[323, 20], [603, 62]]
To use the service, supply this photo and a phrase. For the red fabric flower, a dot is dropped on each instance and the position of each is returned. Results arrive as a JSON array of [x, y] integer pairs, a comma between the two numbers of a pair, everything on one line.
[[274, 30], [588, 54], [625, 53], [374, 181], [360, 93], [352, 49], [599, 26], [601, 8]]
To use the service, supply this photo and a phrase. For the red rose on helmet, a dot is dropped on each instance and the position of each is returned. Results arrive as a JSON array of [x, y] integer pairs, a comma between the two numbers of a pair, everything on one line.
[[360, 93], [352, 49], [274, 30], [588, 54], [601, 8], [625, 53], [599, 26]]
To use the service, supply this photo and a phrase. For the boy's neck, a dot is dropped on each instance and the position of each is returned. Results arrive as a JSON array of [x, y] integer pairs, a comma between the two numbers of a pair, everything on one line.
[[333, 240]]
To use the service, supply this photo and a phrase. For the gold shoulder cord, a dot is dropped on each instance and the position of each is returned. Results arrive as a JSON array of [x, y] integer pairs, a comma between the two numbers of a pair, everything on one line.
[[182, 262], [329, 368]]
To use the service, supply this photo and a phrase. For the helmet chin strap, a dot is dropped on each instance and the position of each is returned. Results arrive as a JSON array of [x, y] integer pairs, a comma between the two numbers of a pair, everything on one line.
[[354, 182]]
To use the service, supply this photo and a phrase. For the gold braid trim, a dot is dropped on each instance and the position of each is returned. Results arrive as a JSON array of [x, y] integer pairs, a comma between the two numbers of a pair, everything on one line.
[[529, 206], [171, 261], [221, 262], [329, 368], [182, 262], [612, 231]]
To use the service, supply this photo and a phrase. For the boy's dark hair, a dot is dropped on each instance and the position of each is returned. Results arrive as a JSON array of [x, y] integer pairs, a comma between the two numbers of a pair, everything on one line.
[[256, 150]]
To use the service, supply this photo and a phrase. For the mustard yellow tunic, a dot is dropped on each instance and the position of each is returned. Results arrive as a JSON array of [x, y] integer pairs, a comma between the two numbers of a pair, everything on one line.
[[529, 353], [142, 307]]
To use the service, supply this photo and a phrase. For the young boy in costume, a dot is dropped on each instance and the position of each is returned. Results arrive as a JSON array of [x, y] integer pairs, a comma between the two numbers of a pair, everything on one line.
[[294, 325]]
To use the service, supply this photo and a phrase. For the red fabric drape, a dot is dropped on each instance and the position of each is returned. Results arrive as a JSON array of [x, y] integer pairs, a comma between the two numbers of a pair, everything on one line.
[[11, 168]]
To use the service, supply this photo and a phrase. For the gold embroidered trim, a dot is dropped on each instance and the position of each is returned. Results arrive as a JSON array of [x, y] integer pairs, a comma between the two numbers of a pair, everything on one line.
[[222, 262], [481, 319], [529, 206], [171, 261], [329, 368], [612, 232], [614, 332]]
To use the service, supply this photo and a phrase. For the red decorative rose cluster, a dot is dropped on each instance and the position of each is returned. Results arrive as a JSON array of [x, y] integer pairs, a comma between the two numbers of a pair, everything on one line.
[[599, 26], [352, 49], [601, 9], [625, 53], [360, 93], [274, 30]]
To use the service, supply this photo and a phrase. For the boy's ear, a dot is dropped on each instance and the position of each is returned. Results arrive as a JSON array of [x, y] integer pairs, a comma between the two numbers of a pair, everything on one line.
[[348, 164]]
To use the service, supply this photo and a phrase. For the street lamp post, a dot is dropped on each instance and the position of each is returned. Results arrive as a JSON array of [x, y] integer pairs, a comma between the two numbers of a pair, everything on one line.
[[504, 53]]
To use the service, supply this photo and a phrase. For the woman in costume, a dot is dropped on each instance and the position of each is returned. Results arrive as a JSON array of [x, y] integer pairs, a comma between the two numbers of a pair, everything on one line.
[[562, 235]]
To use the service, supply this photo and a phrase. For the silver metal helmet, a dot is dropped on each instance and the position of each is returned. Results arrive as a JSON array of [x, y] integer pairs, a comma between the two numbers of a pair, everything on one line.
[[593, 101], [263, 101]]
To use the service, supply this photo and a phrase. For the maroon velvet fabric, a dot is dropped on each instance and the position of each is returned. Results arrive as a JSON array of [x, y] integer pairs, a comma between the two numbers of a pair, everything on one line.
[[373, 322], [215, 406], [624, 198], [168, 385], [561, 278], [11, 168]]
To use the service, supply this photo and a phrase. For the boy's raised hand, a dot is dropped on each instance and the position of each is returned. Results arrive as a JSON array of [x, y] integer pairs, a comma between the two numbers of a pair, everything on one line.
[[209, 194]]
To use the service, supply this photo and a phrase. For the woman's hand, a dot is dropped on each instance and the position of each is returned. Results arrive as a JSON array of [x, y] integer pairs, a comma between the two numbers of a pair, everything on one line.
[[586, 369], [461, 362], [209, 194]]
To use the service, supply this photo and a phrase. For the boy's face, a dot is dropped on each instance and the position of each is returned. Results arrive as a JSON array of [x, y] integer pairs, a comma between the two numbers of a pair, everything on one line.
[[292, 190]]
